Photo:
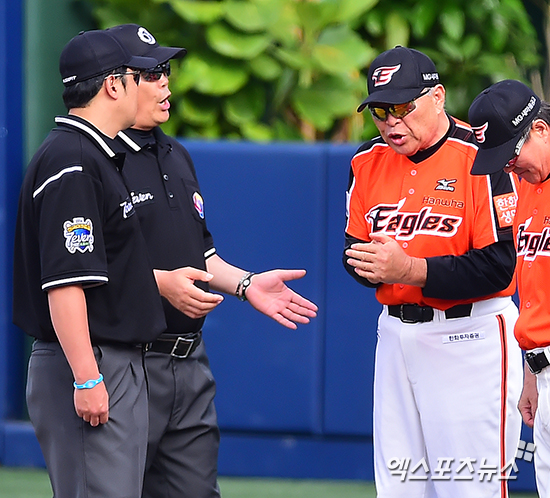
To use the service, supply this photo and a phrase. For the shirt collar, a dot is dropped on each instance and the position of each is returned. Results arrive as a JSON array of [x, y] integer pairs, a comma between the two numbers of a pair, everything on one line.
[[81, 125], [430, 151]]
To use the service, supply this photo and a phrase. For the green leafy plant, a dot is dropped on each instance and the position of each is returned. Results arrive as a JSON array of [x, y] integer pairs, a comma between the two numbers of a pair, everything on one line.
[[296, 69]]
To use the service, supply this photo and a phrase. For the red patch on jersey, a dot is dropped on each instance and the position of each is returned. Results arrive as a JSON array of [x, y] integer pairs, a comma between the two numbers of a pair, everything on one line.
[[505, 206]]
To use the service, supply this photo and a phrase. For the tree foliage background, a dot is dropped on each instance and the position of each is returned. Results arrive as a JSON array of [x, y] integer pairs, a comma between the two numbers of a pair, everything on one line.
[[296, 69]]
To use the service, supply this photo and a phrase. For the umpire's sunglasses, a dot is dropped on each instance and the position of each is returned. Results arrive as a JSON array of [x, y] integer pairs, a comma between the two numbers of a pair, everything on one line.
[[156, 73], [399, 111], [135, 74]]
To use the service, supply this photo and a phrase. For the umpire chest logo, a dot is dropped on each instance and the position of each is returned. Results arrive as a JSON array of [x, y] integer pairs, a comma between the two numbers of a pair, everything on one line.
[[79, 235], [139, 198], [405, 225], [127, 208]]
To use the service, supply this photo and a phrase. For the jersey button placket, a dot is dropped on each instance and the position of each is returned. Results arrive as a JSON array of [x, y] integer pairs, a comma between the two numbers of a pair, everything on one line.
[[169, 193], [411, 190]]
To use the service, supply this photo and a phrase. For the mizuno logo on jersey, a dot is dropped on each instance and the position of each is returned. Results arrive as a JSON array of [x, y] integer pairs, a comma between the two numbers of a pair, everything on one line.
[[532, 244], [388, 218], [445, 184], [479, 132], [383, 75]]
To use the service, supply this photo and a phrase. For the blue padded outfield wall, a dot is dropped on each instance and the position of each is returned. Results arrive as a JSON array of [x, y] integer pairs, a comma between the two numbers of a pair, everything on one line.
[[290, 403]]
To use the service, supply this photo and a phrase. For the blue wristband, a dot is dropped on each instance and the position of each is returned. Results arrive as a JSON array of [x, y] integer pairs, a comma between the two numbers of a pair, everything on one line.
[[89, 383]]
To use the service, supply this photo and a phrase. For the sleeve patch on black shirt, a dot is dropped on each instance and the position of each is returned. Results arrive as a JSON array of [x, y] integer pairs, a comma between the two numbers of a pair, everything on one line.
[[79, 235]]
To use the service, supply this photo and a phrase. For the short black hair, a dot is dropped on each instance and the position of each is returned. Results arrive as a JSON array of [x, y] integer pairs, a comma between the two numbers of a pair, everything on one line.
[[80, 94]]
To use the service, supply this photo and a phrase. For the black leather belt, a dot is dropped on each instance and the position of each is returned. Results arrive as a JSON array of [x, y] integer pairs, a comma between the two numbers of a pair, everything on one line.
[[178, 347], [536, 361], [412, 313]]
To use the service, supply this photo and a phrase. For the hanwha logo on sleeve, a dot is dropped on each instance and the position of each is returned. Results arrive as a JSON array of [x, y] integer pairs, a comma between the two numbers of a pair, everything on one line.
[[199, 204], [479, 132]]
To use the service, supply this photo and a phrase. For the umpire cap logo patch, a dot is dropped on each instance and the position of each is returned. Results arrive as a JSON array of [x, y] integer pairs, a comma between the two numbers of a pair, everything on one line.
[[79, 235], [145, 36]]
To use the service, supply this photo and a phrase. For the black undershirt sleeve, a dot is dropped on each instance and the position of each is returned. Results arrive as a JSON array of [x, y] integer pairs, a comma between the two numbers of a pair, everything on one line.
[[350, 269], [477, 273]]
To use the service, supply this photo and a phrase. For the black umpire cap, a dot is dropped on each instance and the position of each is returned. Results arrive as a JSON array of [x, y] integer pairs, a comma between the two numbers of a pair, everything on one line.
[[139, 41], [91, 53]]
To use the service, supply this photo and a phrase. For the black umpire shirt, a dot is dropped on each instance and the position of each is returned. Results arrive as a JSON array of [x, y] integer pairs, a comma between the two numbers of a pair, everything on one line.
[[161, 178], [76, 225]]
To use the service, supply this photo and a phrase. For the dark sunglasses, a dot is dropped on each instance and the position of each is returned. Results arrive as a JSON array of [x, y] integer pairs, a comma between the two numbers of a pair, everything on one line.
[[156, 73], [136, 75], [399, 111]]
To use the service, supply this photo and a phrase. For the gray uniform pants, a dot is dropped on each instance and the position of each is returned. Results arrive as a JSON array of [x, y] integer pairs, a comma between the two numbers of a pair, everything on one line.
[[106, 461], [182, 457]]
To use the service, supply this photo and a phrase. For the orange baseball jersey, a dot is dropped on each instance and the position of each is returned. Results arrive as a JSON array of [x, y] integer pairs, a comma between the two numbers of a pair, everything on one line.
[[430, 204], [532, 234]]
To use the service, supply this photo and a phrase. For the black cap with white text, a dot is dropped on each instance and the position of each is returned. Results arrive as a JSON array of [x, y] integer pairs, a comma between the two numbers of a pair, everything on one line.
[[399, 75], [498, 116]]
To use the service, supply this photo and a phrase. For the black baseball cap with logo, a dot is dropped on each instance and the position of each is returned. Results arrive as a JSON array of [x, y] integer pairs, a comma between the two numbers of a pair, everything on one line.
[[399, 75], [139, 41], [498, 116], [92, 53]]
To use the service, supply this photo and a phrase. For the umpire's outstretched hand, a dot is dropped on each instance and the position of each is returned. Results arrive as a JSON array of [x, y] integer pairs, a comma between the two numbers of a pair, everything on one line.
[[269, 294]]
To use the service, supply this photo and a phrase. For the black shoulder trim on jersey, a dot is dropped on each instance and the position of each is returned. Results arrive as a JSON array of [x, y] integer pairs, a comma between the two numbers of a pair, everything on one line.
[[455, 131], [461, 132], [501, 183], [369, 144]]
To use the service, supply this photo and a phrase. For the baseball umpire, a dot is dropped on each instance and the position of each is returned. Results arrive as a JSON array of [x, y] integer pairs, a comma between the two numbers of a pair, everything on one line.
[[512, 128], [183, 434], [83, 284], [436, 243]]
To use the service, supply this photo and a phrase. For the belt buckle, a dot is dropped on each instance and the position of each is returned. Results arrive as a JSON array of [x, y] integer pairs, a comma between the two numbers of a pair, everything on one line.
[[179, 340], [402, 317]]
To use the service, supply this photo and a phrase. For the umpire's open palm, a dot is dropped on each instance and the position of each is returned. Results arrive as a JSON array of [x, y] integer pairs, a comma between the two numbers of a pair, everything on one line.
[[269, 294]]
